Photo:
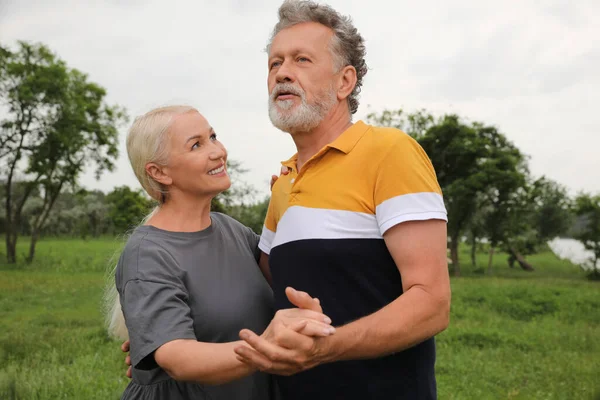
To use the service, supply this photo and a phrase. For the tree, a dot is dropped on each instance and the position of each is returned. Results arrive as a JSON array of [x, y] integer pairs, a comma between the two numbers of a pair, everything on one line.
[[79, 213], [505, 171], [455, 151], [587, 207], [253, 215], [551, 209], [56, 125], [127, 208], [414, 124], [542, 212], [238, 201], [480, 172]]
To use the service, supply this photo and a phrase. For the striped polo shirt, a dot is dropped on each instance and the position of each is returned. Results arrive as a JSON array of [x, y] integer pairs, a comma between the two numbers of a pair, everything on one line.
[[324, 235]]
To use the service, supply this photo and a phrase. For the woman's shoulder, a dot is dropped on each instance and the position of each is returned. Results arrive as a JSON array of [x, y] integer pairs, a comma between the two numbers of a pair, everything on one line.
[[143, 240], [226, 221], [147, 250]]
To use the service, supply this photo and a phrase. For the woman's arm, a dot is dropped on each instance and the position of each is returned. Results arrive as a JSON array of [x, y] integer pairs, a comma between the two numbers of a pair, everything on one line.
[[207, 363], [217, 363], [263, 264]]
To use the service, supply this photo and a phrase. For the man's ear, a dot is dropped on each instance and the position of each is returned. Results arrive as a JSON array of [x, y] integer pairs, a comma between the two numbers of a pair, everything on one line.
[[347, 82], [159, 174]]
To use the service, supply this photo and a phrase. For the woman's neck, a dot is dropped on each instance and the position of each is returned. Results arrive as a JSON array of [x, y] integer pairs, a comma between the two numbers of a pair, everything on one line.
[[182, 216]]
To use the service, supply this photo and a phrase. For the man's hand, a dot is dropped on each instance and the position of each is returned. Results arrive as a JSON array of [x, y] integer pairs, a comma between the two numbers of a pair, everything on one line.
[[286, 347], [125, 349]]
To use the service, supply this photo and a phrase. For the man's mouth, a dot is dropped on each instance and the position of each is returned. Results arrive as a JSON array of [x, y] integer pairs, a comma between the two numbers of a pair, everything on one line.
[[217, 170], [285, 96]]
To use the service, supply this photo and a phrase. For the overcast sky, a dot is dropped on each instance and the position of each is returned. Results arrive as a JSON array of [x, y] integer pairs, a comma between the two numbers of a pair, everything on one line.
[[529, 67]]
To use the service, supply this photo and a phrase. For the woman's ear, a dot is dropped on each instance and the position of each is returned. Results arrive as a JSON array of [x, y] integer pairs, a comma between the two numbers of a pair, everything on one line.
[[159, 174]]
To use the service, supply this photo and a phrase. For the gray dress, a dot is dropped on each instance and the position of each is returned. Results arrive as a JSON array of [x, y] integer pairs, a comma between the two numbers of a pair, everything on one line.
[[202, 285]]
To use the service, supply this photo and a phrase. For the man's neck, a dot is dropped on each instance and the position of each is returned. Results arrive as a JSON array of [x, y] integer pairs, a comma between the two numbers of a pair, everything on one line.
[[309, 143]]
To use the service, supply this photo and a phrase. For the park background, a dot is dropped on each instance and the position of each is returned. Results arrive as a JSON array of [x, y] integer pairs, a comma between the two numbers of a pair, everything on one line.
[[501, 96]]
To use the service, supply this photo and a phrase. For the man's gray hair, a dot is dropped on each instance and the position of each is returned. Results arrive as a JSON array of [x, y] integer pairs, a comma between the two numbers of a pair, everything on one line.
[[347, 45]]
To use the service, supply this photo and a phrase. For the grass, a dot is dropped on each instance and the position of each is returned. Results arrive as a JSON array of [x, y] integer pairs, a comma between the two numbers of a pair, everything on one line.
[[513, 335]]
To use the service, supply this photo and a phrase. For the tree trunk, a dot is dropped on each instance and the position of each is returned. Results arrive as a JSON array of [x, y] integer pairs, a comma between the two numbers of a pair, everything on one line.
[[473, 252], [32, 243], [49, 199], [11, 247], [490, 259], [511, 260], [454, 256], [521, 260]]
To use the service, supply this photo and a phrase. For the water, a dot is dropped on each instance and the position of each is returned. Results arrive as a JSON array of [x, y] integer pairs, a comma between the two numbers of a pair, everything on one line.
[[573, 251]]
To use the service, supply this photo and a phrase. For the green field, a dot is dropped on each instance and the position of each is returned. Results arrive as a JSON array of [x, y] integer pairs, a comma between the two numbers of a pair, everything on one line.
[[515, 335]]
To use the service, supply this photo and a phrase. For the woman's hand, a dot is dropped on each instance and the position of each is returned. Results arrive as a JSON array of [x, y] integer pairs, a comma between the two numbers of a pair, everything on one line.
[[125, 349], [292, 341], [284, 171]]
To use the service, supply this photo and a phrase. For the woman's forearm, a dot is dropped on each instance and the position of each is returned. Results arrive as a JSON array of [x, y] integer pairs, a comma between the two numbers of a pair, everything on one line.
[[206, 363]]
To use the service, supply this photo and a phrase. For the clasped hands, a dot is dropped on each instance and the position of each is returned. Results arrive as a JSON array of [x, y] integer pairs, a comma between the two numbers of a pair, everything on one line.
[[293, 342]]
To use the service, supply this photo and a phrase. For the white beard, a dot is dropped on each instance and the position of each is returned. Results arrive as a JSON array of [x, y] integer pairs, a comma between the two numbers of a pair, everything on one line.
[[305, 117]]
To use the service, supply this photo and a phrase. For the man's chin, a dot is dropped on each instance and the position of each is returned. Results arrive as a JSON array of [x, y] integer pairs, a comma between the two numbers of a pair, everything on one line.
[[291, 129]]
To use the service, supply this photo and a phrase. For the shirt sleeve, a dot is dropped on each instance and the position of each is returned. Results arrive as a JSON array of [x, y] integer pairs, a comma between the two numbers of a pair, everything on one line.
[[406, 186], [156, 311], [269, 228]]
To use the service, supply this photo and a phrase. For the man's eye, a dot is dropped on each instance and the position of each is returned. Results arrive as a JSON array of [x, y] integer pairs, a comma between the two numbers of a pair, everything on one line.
[[275, 64], [303, 59], [195, 145], [213, 136]]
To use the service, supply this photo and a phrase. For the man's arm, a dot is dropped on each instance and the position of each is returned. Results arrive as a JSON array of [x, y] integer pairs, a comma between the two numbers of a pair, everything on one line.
[[422, 311], [419, 251]]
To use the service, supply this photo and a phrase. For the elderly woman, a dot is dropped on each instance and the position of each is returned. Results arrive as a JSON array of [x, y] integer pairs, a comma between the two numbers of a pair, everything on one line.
[[188, 279]]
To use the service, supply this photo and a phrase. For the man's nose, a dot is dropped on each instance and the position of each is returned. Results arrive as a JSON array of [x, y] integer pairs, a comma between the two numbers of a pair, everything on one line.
[[284, 73]]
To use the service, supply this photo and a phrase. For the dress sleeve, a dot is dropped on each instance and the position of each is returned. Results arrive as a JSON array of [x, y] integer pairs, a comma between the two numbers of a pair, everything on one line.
[[156, 309]]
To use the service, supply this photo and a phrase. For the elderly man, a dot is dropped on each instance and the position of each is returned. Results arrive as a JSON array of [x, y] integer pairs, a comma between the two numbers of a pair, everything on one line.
[[358, 222]]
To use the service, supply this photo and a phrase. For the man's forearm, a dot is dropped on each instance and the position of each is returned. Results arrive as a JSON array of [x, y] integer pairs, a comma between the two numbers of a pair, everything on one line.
[[410, 319]]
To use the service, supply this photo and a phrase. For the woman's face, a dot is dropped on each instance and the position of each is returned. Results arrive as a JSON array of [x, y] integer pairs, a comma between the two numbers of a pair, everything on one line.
[[197, 160]]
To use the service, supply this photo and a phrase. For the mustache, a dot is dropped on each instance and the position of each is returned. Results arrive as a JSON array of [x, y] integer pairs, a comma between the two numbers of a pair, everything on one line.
[[286, 88]]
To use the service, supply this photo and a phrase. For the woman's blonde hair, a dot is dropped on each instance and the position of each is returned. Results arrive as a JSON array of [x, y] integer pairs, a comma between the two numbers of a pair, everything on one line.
[[147, 141]]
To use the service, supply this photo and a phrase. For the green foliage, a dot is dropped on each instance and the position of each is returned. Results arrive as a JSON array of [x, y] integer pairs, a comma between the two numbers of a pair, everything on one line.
[[542, 212], [253, 216], [414, 124], [58, 123], [514, 335], [238, 202], [127, 208], [587, 207], [472, 162], [239, 192], [486, 184]]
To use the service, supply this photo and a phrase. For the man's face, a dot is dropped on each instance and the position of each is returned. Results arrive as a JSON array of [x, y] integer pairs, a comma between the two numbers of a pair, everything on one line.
[[301, 77]]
